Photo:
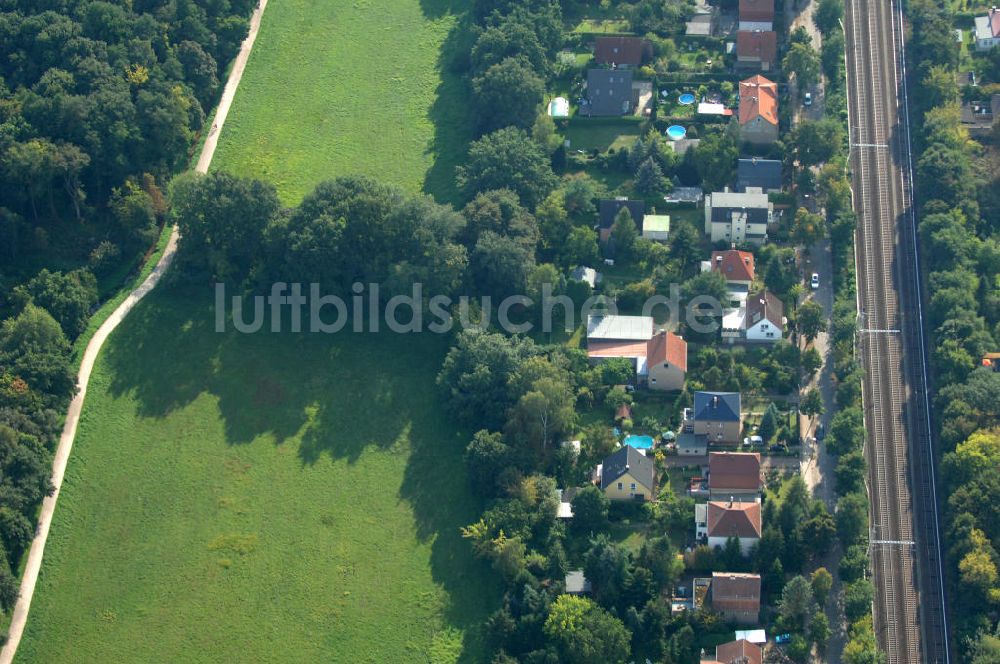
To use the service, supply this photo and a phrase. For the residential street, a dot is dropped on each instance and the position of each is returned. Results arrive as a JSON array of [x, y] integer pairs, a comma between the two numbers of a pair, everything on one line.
[[796, 15]]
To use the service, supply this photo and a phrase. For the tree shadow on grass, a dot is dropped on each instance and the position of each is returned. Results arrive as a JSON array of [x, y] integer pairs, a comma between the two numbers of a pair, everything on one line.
[[344, 394], [450, 112]]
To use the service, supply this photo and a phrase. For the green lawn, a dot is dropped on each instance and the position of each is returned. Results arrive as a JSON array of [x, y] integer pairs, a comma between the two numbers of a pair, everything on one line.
[[601, 136], [339, 88], [266, 497], [280, 498]]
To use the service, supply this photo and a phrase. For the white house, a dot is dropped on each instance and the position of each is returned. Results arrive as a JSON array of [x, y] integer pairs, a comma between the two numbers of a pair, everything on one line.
[[587, 275], [738, 217], [765, 321], [988, 30], [759, 319], [656, 227]]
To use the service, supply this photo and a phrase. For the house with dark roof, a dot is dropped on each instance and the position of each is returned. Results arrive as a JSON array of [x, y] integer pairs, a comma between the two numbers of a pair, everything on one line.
[[740, 651], [736, 596], [758, 113], [693, 195], [734, 476], [757, 173], [628, 474], [756, 49], [608, 209], [619, 50], [756, 15], [609, 92], [738, 217], [978, 116], [717, 521], [716, 415]]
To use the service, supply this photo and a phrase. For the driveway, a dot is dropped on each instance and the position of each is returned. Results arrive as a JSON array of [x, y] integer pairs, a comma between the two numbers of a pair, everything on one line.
[[33, 565]]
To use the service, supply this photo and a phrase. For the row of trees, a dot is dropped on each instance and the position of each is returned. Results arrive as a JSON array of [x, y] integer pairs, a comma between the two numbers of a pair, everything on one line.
[[960, 245], [822, 144]]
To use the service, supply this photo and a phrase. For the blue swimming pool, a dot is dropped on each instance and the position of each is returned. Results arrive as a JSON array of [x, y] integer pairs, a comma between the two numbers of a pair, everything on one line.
[[639, 442], [676, 132], [686, 99]]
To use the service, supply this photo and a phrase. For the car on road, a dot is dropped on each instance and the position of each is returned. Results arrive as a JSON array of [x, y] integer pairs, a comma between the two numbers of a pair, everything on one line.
[[814, 281], [820, 431], [807, 99]]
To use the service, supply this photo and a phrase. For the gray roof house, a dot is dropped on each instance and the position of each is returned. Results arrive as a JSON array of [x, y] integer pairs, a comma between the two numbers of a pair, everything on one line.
[[738, 217], [628, 459], [609, 92], [577, 583], [586, 274], [717, 406], [761, 173]]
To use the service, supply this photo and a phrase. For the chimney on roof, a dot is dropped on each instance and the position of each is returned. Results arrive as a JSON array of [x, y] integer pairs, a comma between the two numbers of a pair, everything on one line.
[[715, 402]]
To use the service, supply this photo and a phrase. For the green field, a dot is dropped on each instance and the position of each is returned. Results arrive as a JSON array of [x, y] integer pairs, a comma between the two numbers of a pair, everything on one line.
[[339, 88], [266, 497], [280, 498]]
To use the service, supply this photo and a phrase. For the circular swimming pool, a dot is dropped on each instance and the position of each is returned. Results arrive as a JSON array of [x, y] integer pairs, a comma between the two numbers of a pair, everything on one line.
[[676, 132]]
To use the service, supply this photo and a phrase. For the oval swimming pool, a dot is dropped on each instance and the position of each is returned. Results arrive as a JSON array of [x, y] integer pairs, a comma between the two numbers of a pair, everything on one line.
[[639, 442], [687, 99], [676, 132]]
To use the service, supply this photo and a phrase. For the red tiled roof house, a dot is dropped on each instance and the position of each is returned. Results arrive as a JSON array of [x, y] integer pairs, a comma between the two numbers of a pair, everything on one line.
[[756, 15], [758, 110], [736, 596], [632, 51], [736, 266], [756, 49], [666, 361], [737, 652], [734, 476]]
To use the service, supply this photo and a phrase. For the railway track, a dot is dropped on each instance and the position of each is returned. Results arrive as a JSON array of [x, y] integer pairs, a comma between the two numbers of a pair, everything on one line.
[[910, 618]]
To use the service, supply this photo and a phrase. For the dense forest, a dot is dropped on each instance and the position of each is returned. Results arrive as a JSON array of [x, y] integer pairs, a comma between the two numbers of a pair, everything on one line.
[[100, 103], [959, 228]]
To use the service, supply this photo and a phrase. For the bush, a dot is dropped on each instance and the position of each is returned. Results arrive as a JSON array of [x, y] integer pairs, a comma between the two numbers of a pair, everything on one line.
[[103, 257]]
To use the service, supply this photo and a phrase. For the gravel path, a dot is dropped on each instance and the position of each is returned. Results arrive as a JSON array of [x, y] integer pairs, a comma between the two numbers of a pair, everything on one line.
[[34, 563]]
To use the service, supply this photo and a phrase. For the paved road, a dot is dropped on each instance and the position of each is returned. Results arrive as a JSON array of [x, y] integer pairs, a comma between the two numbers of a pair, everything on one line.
[[34, 562], [801, 15]]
